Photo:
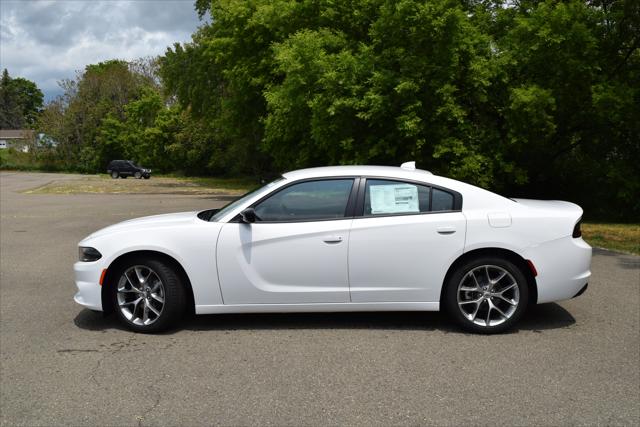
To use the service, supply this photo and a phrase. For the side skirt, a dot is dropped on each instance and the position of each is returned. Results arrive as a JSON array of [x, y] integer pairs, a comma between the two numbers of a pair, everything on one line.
[[318, 307]]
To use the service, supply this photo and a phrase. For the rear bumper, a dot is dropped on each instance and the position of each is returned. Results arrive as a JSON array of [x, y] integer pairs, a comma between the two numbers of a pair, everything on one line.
[[87, 278], [564, 268], [581, 291]]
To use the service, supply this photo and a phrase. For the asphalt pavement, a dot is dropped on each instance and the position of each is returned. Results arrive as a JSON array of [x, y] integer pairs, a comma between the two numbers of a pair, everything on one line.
[[575, 362]]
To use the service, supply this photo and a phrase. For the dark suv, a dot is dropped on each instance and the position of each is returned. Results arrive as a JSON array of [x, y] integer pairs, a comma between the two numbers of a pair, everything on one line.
[[125, 168]]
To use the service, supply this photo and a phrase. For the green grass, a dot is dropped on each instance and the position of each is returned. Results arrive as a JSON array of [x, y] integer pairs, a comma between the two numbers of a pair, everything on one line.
[[11, 159], [104, 184], [240, 184], [617, 237]]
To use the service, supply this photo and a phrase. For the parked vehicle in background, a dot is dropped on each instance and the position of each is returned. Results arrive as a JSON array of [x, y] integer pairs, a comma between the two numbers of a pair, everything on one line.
[[126, 168], [343, 238]]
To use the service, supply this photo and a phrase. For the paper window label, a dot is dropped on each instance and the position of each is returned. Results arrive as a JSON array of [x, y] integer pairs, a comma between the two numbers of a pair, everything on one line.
[[396, 198]]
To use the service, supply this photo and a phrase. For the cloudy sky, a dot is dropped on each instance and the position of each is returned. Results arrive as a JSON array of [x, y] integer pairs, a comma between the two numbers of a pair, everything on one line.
[[46, 41]]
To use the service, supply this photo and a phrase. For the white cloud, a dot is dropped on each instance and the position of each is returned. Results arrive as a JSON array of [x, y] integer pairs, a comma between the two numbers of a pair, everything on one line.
[[46, 41]]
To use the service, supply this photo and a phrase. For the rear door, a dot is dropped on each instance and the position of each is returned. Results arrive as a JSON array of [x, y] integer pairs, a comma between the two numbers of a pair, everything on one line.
[[295, 252], [402, 245]]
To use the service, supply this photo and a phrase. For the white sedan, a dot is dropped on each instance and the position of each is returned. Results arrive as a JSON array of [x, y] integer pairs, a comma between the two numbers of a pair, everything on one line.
[[344, 238]]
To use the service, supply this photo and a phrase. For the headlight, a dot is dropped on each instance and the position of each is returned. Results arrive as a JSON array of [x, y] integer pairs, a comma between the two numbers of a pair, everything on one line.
[[88, 254]]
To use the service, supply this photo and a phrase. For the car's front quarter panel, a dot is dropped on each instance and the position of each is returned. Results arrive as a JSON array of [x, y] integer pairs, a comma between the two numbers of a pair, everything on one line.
[[191, 243]]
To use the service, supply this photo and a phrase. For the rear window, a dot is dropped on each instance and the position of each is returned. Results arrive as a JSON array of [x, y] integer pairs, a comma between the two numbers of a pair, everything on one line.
[[441, 200], [390, 197], [384, 197]]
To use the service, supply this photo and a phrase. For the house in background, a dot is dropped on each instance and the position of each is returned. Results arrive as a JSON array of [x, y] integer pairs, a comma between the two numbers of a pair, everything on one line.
[[18, 139]]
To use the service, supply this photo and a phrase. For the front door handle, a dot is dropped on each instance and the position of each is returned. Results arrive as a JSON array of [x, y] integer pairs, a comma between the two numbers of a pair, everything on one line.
[[446, 230], [332, 239]]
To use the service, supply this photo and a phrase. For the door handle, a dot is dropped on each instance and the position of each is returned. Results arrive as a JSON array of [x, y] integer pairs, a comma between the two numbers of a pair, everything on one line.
[[332, 239], [446, 230]]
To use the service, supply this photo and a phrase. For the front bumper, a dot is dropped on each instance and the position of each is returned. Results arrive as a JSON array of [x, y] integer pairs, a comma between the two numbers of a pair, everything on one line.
[[87, 278]]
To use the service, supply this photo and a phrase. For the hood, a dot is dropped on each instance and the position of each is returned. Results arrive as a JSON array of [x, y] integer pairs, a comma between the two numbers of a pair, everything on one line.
[[147, 222]]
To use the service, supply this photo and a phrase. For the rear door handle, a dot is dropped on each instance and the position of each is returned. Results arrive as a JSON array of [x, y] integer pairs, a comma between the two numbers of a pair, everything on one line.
[[332, 239], [446, 230]]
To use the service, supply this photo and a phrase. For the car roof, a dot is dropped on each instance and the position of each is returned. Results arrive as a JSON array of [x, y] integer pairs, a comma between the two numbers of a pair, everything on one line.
[[408, 173], [381, 171]]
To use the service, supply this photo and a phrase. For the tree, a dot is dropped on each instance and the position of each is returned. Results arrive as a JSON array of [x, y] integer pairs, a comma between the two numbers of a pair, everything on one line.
[[308, 83], [534, 97], [20, 102], [147, 133], [100, 93], [30, 98]]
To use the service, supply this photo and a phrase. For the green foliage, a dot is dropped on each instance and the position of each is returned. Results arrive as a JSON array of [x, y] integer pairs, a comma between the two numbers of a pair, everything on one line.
[[20, 102], [42, 160], [530, 98], [146, 133], [89, 120], [538, 98]]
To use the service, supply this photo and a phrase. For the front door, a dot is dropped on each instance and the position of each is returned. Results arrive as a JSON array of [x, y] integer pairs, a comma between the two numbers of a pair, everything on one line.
[[295, 252]]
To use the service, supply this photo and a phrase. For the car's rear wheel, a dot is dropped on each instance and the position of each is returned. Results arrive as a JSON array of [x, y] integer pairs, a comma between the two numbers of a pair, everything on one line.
[[148, 295], [115, 174], [138, 175], [487, 295]]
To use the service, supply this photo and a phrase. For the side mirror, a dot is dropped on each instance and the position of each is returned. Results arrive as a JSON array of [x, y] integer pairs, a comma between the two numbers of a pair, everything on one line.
[[248, 215]]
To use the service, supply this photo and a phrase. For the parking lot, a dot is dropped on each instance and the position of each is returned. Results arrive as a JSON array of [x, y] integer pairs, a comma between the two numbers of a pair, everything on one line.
[[576, 362]]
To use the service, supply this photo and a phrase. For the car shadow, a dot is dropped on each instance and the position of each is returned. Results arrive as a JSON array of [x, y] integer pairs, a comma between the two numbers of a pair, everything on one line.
[[538, 318]]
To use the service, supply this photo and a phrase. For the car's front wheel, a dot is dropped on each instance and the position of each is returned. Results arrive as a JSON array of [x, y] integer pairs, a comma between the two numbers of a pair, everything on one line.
[[148, 295], [487, 295]]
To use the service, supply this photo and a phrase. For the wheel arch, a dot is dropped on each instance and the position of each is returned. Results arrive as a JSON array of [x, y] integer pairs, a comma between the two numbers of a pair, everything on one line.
[[512, 256], [108, 282]]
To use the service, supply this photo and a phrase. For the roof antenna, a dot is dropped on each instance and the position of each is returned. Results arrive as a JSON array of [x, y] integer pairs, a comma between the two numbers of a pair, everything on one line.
[[410, 166]]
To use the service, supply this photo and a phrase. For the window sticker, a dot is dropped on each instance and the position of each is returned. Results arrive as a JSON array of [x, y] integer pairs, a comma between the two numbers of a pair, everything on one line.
[[398, 198]]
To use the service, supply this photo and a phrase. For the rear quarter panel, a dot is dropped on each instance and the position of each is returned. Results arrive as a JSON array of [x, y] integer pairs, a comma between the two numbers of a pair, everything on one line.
[[539, 231]]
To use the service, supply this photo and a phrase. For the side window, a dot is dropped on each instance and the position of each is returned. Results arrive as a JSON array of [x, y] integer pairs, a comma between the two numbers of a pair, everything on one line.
[[441, 200], [310, 200], [384, 197]]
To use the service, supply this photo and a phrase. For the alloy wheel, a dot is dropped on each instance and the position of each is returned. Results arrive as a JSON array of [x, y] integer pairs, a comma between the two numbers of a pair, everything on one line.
[[140, 295], [488, 295]]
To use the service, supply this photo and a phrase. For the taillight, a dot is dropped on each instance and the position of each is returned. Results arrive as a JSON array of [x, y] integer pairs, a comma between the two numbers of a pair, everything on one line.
[[576, 230]]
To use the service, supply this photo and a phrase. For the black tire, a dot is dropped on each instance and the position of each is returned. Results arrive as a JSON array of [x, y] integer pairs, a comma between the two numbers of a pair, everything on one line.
[[115, 174], [147, 176], [174, 295], [496, 266], [137, 175]]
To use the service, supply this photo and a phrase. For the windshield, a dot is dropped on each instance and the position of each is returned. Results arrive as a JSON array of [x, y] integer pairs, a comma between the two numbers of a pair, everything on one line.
[[231, 206]]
